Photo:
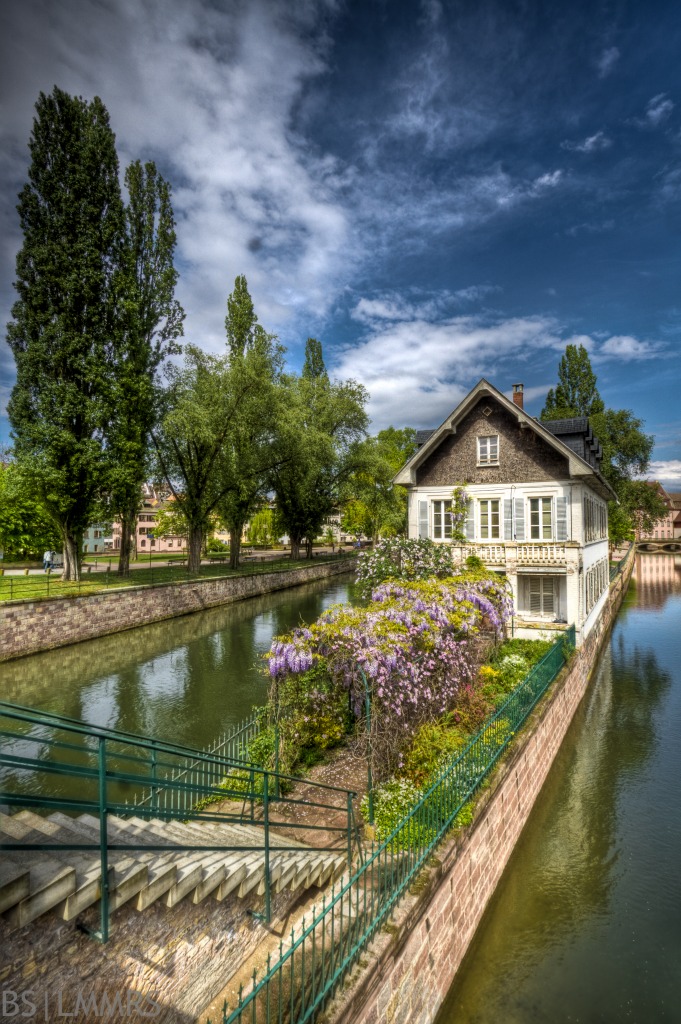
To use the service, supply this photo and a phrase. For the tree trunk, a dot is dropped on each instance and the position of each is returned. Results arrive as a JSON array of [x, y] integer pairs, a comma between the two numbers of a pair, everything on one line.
[[194, 549], [71, 558], [308, 548], [127, 525], [295, 547], [234, 548]]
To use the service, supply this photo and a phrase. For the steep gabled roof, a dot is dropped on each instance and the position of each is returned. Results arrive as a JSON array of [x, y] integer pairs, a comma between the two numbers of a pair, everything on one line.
[[578, 466]]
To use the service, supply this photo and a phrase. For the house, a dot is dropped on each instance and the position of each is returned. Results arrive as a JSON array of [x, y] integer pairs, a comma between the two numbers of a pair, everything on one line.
[[154, 499], [668, 528], [537, 505], [94, 539]]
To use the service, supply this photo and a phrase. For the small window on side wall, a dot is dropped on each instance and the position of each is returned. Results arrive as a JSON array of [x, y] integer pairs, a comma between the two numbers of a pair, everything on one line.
[[488, 450]]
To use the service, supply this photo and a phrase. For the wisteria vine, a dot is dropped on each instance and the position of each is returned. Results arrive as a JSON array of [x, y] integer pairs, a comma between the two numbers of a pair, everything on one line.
[[414, 646]]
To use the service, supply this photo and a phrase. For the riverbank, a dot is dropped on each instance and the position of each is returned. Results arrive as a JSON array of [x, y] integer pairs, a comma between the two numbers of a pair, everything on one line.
[[30, 626], [412, 963]]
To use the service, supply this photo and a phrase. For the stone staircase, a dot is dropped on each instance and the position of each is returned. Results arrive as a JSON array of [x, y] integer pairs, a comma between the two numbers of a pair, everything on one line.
[[65, 881]]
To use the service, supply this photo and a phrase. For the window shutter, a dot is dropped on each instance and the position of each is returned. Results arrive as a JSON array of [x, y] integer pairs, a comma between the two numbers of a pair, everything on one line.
[[469, 528], [535, 594], [548, 603], [561, 518], [520, 519], [423, 519], [508, 519]]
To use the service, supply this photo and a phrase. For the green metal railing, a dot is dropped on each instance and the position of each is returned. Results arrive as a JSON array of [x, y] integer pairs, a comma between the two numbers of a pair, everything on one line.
[[51, 585], [53, 763], [619, 567], [312, 962]]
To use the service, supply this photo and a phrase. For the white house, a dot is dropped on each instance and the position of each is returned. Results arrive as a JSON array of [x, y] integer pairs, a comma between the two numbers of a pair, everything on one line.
[[537, 509]]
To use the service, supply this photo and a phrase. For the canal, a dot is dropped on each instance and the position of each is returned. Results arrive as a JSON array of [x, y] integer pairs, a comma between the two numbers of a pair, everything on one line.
[[185, 680], [585, 925]]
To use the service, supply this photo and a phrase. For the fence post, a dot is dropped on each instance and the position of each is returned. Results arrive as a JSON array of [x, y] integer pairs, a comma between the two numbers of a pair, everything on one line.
[[266, 813], [349, 833], [154, 772], [103, 844]]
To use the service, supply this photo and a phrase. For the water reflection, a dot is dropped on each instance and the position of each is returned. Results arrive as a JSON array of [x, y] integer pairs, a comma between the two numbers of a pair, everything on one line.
[[585, 923], [185, 679]]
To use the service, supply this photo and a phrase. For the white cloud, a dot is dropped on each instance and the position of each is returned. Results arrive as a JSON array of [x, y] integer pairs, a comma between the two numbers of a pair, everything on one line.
[[590, 228], [591, 144], [549, 180], [657, 111], [668, 472], [626, 348], [607, 61], [208, 91], [416, 369]]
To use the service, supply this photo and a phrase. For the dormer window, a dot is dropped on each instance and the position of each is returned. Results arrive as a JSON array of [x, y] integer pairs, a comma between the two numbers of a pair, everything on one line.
[[488, 450]]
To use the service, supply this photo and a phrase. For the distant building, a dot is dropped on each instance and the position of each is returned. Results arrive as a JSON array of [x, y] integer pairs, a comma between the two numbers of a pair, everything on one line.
[[669, 527], [143, 541], [95, 540]]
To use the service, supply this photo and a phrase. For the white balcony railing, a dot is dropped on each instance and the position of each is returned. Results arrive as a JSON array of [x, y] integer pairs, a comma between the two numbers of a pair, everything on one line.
[[534, 553]]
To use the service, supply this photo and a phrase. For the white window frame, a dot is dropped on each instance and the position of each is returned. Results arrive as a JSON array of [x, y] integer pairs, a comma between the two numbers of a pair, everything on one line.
[[489, 512], [445, 524], [488, 450], [540, 526]]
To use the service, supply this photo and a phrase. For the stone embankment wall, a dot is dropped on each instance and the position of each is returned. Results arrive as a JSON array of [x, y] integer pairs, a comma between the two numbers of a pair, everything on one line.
[[30, 626], [412, 964]]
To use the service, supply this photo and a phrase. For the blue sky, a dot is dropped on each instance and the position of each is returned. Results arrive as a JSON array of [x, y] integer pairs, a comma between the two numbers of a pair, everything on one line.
[[438, 191]]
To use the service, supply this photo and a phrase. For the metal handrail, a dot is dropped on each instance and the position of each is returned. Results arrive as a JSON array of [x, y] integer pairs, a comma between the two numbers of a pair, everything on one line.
[[313, 963], [134, 760]]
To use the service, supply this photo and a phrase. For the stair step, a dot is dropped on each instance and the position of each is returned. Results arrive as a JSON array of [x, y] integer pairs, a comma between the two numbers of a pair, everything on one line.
[[50, 883], [14, 884]]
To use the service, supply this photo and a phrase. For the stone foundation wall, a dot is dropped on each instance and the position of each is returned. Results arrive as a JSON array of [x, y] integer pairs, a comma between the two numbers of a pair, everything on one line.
[[173, 962], [412, 964], [30, 626]]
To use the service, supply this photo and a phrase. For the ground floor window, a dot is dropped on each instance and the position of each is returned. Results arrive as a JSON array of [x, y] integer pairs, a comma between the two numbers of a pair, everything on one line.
[[541, 596], [442, 520]]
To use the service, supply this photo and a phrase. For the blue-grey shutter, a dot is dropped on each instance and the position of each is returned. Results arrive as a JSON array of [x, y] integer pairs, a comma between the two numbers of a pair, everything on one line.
[[561, 518], [423, 519], [520, 519], [469, 528], [508, 519]]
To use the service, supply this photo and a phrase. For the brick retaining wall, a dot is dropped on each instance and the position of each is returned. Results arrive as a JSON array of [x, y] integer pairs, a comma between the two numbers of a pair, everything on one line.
[[411, 965], [30, 626]]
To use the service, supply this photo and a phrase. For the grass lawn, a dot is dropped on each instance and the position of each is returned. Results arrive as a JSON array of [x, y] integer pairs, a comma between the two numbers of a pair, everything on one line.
[[33, 588]]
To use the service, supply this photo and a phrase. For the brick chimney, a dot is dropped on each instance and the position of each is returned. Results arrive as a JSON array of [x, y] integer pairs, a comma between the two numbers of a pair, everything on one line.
[[518, 395]]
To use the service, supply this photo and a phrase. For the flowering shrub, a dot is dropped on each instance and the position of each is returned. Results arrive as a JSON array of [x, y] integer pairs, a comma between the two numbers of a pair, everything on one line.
[[410, 650]]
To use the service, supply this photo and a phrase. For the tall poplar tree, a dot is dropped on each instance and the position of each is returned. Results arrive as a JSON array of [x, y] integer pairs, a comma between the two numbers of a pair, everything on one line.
[[576, 393], [150, 324], [64, 319]]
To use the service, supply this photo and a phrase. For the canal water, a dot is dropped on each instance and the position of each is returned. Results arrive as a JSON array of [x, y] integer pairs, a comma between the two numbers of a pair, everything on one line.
[[585, 925], [185, 680]]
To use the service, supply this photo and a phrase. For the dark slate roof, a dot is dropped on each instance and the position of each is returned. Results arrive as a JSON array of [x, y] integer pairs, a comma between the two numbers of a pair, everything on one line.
[[578, 436], [422, 436]]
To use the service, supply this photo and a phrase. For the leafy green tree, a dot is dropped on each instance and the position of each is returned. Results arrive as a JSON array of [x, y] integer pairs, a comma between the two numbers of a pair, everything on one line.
[[151, 322], [64, 320], [626, 448], [261, 528], [26, 530], [374, 506], [576, 393], [320, 428], [250, 453]]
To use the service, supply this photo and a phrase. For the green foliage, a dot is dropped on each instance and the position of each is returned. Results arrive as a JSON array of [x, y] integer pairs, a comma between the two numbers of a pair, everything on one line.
[[150, 324], [241, 320], [215, 544], [319, 427], [433, 746], [261, 528], [65, 318], [626, 448], [576, 393], [26, 529], [392, 803], [474, 562], [373, 506]]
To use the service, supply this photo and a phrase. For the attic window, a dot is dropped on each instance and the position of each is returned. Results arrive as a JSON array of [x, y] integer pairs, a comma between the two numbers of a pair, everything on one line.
[[487, 411], [488, 450]]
